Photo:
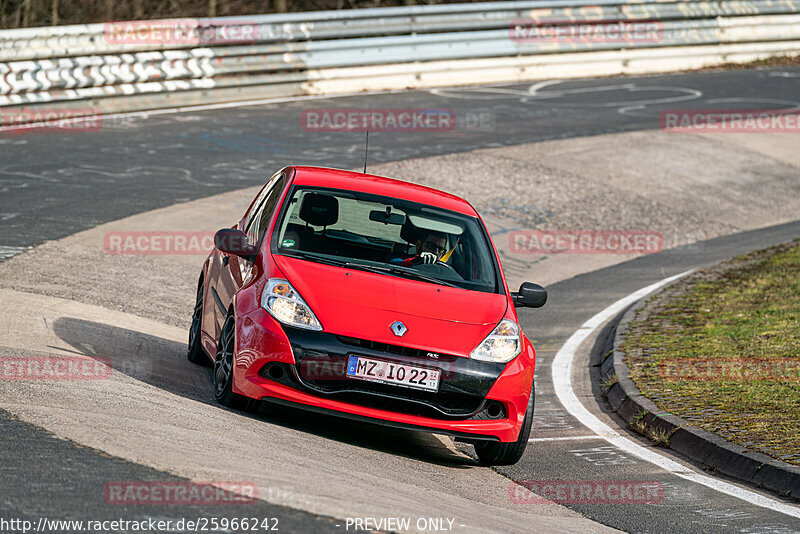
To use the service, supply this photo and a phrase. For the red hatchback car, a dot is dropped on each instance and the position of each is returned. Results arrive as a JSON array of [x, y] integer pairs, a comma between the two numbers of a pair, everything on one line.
[[373, 299]]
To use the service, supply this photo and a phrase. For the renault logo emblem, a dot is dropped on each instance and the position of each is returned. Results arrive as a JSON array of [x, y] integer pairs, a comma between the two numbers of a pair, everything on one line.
[[398, 328]]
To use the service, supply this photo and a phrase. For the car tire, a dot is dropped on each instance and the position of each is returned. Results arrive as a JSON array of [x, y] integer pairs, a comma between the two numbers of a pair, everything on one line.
[[494, 453], [222, 377], [195, 353]]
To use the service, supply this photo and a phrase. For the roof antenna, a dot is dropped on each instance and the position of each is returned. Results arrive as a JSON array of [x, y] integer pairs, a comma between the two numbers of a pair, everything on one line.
[[366, 150]]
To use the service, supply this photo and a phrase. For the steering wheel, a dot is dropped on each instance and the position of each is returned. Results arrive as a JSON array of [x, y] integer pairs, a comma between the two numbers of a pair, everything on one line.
[[418, 261]]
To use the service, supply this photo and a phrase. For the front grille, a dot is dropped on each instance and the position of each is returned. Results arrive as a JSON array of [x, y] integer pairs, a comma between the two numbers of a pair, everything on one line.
[[322, 363], [385, 347]]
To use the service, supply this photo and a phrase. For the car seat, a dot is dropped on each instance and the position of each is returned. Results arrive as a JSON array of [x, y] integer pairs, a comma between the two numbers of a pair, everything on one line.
[[317, 209]]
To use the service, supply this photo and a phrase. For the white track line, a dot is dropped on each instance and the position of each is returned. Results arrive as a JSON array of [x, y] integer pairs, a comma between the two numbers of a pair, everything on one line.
[[197, 107], [223, 105], [564, 438], [8, 252], [562, 381], [265, 101]]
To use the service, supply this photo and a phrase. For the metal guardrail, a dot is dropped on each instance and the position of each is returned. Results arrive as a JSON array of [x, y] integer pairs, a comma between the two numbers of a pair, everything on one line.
[[380, 48], [47, 42]]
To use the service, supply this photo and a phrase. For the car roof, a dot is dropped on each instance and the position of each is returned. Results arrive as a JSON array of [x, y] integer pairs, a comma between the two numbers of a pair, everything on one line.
[[381, 185]]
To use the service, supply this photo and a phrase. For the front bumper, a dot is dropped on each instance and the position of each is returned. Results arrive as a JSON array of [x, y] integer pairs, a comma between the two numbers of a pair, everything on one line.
[[475, 400]]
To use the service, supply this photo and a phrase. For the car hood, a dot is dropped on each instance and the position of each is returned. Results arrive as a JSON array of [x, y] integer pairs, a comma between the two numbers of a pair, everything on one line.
[[364, 305]]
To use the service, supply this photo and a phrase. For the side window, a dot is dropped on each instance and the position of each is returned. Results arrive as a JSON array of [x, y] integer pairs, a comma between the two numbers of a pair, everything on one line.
[[260, 221], [269, 205], [248, 217], [255, 209]]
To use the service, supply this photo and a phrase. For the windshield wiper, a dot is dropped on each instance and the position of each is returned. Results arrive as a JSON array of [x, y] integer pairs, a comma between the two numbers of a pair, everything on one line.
[[419, 275], [380, 269], [398, 270], [316, 257]]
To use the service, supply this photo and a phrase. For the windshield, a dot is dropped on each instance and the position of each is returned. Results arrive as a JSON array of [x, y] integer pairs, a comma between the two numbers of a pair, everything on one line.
[[387, 236]]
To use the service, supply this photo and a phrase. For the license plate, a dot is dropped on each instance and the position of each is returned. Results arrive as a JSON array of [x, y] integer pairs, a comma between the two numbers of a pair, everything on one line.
[[392, 373]]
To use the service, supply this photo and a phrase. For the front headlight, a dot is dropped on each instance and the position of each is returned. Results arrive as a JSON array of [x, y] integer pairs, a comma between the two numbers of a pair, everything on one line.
[[284, 303], [501, 346]]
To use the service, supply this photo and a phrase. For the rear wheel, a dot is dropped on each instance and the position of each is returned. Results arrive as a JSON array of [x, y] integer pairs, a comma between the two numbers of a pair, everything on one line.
[[195, 354], [223, 369], [493, 453]]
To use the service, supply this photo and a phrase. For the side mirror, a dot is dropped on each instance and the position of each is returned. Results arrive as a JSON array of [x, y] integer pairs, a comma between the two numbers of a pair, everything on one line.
[[530, 295], [234, 242]]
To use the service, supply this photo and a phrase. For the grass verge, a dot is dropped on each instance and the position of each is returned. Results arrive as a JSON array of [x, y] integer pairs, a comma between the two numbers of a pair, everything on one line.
[[721, 349]]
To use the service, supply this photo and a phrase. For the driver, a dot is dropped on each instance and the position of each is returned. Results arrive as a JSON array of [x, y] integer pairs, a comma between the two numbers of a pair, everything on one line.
[[430, 246]]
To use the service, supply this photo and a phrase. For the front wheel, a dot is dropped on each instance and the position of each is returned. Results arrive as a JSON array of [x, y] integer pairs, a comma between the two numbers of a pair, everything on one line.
[[493, 453], [223, 369]]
